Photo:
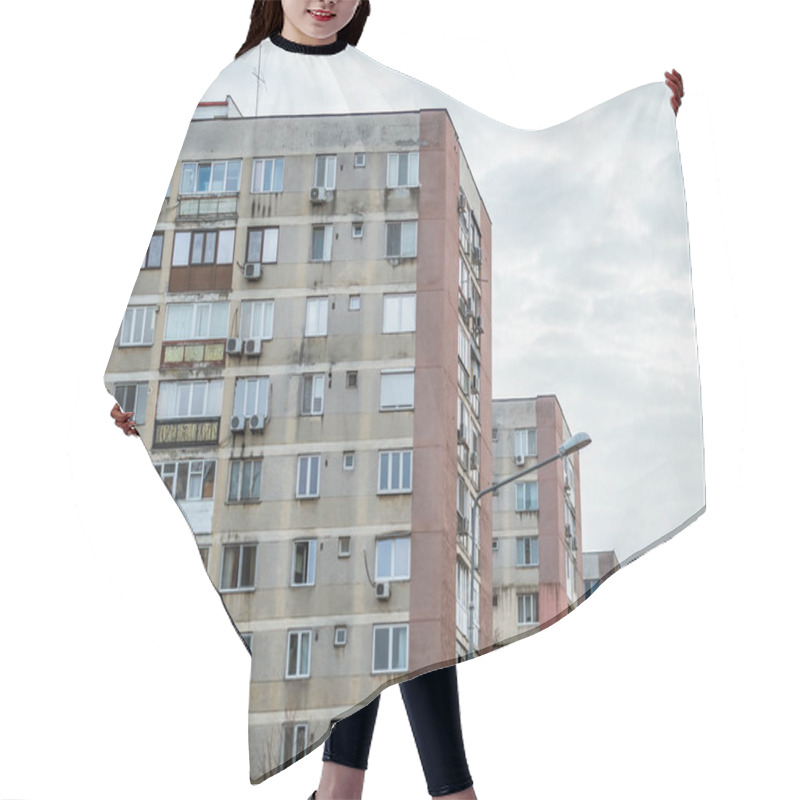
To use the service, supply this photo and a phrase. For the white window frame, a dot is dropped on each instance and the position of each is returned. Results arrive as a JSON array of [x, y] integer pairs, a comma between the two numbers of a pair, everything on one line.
[[308, 490], [327, 180], [390, 656], [393, 486], [399, 313], [204, 321], [183, 247], [408, 239], [349, 460], [155, 252], [527, 499], [316, 316], [196, 475], [308, 576], [225, 167], [245, 473], [138, 327], [257, 319], [337, 640], [354, 302], [263, 167], [344, 547], [298, 669], [357, 230], [398, 549], [359, 160], [525, 442], [264, 241], [139, 404], [208, 393], [394, 163], [239, 587], [527, 551], [312, 389], [297, 730], [397, 390], [251, 396], [327, 242], [528, 608]]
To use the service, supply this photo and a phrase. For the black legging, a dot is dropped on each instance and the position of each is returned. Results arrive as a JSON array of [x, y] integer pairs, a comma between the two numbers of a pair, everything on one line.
[[432, 706]]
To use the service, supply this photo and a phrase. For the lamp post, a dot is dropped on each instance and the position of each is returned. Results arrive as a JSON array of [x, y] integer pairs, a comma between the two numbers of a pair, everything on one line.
[[572, 445]]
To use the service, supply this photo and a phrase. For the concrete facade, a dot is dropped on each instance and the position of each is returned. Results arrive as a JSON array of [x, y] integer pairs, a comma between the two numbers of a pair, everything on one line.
[[537, 560], [308, 350]]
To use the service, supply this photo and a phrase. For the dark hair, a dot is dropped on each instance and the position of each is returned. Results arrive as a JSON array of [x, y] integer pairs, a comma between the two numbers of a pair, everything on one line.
[[266, 19]]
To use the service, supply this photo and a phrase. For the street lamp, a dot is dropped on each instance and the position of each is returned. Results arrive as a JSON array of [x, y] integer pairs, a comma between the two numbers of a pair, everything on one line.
[[572, 445]]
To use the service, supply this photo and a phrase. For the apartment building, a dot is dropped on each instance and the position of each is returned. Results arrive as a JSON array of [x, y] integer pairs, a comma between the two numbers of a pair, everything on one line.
[[537, 561], [308, 354], [597, 566]]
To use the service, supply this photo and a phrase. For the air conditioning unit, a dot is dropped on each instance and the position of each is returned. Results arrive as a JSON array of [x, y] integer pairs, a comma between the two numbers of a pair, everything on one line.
[[252, 271], [462, 435], [473, 385], [478, 324], [393, 261], [257, 422], [233, 347], [463, 526], [252, 347], [574, 543], [473, 461], [318, 195], [238, 422], [519, 459], [476, 254], [383, 590]]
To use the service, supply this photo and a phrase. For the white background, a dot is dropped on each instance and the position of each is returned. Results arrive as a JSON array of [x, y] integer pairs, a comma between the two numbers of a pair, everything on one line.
[[121, 675]]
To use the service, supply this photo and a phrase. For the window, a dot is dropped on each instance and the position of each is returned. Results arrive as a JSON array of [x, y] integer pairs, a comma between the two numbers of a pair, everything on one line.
[[495, 544], [401, 239], [295, 741], [238, 567], [399, 313], [245, 480], [462, 596], [187, 399], [325, 173], [321, 242], [344, 547], [247, 641], [257, 319], [525, 442], [189, 480], [340, 636], [210, 177], [204, 551], [196, 321], [358, 230], [203, 247], [394, 472], [393, 559], [349, 461], [308, 476], [262, 245], [527, 551], [402, 170], [313, 394], [351, 380], [132, 397], [251, 397], [390, 648], [527, 496], [527, 608], [304, 562], [267, 175], [152, 258], [138, 326], [360, 160], [494, 434], [397, 390], [298, 654], [354, 303], [317, 316]]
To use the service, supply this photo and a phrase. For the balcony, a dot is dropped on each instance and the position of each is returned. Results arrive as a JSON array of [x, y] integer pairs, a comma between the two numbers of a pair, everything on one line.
[[193, 353], [186, 432], [215, 207]]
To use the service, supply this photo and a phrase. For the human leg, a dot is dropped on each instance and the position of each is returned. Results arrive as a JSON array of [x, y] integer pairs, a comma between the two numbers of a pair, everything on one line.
[[433, 709], [345, 755]]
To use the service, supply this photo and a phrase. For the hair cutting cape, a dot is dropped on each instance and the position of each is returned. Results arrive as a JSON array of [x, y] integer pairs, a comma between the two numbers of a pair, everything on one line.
[[365, 302]]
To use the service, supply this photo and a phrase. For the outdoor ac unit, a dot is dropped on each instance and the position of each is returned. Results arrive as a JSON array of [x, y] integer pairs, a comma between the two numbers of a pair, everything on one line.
[[393, 260], [478, 324], [257, 422], [463, 526], [383, 590], [473, 461], [233, 347], [318, 195], [252, 347], [238, 422], [476, 254], [252, 271], [519, 458]]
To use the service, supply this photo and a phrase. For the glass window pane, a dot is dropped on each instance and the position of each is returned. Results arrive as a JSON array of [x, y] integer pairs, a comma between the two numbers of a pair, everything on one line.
[[380, 656], [399, 654], [154, 252], [277, 177], [198, 241], [248, 568], [406, 484], [258, 176], [270, 252], [383, 476], [188, 178], [293, 653], [225, 249], [203, 177], [383, 558], [230, 567], [402, 557], [254, 246], [180, 252], [234, 174], [218, 177]]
